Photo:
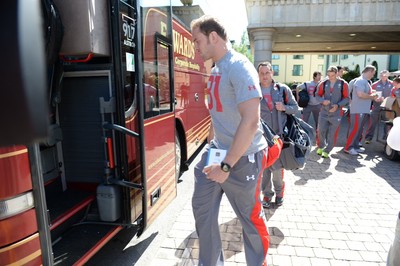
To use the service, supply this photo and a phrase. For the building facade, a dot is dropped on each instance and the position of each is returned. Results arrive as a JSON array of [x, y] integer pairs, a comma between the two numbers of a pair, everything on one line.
[[289, 68]]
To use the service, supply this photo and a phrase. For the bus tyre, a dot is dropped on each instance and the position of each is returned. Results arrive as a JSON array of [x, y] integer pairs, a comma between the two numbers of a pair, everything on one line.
[[178, 157], [390, 153]]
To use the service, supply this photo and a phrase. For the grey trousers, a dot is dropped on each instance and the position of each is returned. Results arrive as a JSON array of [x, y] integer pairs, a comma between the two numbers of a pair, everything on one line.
[[327, 131], [357, 122], [242, 189], [312, 109], [273, 177]]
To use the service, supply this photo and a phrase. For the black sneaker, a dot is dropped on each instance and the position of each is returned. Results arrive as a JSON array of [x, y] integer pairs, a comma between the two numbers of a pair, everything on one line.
[[266, 203], [279, 201]]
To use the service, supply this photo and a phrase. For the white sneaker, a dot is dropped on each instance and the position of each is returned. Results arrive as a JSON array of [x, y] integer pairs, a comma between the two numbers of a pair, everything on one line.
[[360, 150], [352, 151]]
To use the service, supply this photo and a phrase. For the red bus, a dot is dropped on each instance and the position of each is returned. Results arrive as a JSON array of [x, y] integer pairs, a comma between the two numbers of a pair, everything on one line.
[[127, 113]]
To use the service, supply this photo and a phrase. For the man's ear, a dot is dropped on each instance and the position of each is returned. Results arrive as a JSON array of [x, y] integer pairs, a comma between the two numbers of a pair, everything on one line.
[[213, 37]]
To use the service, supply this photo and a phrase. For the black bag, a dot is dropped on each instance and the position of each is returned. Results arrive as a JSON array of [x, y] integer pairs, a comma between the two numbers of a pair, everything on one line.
[[296, 144], [274, 144], [304, 98]]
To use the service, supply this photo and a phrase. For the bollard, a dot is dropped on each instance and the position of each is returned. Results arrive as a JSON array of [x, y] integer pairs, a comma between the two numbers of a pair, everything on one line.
[[394, 252]]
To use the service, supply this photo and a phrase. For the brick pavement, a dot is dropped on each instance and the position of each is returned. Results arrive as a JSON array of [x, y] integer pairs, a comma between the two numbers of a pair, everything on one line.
[[337, 211]]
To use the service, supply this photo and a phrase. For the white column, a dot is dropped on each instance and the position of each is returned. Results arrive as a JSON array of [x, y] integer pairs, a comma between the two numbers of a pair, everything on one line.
[[262, 39]]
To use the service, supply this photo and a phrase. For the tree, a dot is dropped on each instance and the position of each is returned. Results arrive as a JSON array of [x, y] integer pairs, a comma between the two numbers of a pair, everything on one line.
[[351, 74], [244, 47]]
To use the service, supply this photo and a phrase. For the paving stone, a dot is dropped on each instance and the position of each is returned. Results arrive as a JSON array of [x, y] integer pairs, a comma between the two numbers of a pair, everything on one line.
[[341, 254], [319, 262], [304, 261], [356, 245], [286, 250], [323, 253], [370, 256], [374, 246], [304, 252]]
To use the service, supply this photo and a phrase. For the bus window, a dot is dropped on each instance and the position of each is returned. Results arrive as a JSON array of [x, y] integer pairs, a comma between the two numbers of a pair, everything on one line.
[[157, 82], [164, 81]]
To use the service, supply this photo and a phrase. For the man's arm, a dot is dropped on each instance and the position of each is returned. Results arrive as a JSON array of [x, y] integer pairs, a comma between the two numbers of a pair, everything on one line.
[[249, 123], [364, 95], [290, 105], [345, 95]]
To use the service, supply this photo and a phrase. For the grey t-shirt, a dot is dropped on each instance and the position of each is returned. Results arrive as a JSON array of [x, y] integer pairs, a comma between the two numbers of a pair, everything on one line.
[[311, 88], [359, 105], [233, 80]]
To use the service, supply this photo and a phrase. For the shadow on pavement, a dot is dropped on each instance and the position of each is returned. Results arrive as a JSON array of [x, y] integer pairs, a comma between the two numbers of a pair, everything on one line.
[[386, 169], [314, 169], [232, 240], [121, 253]]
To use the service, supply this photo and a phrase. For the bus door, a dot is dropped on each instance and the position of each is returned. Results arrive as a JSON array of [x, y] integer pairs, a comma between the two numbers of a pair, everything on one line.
[[158, 107], [144, 99]]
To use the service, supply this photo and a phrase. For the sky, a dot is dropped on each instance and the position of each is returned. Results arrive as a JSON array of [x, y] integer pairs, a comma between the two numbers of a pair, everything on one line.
[[232, 14]]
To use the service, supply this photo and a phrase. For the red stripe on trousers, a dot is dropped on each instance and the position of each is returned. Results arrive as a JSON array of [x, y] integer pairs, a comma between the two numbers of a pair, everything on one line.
[[353, 133], [283, 182], [336, 135], [258, 221]]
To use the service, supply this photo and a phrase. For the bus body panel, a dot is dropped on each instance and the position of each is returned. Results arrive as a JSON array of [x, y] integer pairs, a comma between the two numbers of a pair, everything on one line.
[[15, 175], [24, 252], [133, 171], [17, 227], [191, 76], [159, 123], [160, 163]]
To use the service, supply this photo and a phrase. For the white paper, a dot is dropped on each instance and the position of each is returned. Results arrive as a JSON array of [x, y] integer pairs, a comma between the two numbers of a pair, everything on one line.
[[215, 156], [130, 62]]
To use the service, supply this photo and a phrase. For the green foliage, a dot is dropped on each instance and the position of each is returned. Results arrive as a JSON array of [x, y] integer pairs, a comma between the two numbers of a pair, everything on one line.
[[351, 74], [244, 47]]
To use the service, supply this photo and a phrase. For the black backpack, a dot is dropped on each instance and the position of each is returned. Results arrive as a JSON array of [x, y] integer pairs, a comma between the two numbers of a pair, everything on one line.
[[304, 98]]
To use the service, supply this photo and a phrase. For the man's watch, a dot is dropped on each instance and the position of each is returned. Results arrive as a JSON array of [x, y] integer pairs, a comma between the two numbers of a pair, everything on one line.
[[225, 167]]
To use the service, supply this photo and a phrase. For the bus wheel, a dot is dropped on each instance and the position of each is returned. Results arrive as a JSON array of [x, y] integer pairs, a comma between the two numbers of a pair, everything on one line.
[[178, 157], [390, 153]]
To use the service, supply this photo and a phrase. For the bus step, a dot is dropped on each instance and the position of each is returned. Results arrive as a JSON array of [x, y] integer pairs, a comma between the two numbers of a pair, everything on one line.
[[78, 244], [69, 207]]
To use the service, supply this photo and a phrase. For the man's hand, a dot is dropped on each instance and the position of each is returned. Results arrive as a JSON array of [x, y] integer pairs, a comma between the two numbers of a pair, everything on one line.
[[334, 108], [374, 96], [280, 106], [326, 102], [214, 173]]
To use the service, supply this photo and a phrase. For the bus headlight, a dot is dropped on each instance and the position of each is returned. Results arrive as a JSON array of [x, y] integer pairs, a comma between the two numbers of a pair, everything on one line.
[[18, 204]]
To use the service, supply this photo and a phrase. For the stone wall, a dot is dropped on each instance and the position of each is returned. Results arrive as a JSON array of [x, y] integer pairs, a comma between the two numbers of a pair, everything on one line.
[[278, 13], [187, 13]]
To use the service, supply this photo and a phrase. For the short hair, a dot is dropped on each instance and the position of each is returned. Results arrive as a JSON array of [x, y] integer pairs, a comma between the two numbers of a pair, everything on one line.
[[396, 79], [384, 73], [208, 24], [339, 68], [266, 63], [369, 68], [316, 73], [332, 69]]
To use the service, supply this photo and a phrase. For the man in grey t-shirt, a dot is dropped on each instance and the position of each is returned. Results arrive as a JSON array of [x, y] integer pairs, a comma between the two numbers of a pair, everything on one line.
[[313, 107], [360, 107], [234, 102], [384, 87], [278, 102]]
